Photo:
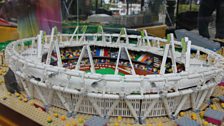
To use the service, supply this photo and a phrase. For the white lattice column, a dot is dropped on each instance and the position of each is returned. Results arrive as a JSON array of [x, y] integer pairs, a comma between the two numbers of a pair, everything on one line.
[[116, 102], [96, 107], [166, 105], [188, 56], [48, 60], [117, 62], [59, 61], [198, 98], [202, 99], [173, 55], [39, 46], [41, 95], [165, 55], [78, 104], [181, 104], [64, 102], [92, 68], [26, 88], [147, 38], [129, 58], [149, 109], [192, 96], [133, 112], [74, 33], [77, 67]]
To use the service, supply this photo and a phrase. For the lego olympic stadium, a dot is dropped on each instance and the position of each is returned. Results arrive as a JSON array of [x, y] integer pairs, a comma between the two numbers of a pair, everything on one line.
[[115, 74]]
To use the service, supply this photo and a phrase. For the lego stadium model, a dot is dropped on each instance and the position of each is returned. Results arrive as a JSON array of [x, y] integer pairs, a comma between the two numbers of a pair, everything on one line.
[[108, 75]]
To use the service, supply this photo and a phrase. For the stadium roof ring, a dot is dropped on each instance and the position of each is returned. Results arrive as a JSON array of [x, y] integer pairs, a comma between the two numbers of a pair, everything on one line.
[[129, 95]]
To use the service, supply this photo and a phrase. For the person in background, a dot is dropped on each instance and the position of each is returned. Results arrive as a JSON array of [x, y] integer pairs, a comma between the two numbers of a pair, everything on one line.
[[33, 15], [207, 7], [48, 14]]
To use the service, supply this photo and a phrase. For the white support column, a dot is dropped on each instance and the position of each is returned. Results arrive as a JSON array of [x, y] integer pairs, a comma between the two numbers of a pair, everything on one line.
[[74, 33], [153, 43], [113, 107], [182, 102], [142, 87], [147, 38], [133, 112], [33, 42], [48, 60], [198, 54], [139, 42], [77, 105], [22, 48], [64, 102], [95, 37], [149, 109], [50, 96], [192, 96], [117, 62], [92, 69], [165, 55], [46, 39], [188, 56], [129, 58], [198, 98], [44, 76], [103, 35], [173, 56], [25, 88], [110, 37], [167, 108], [210, 93], [59, 62], [76, 38], [96, 107], [83, 36], [119, 39], [77, 67], [157, 43], [126, 36], [183, 52], [41, 95], [209, 59], [60, 38], [121, 35], [202, 99]]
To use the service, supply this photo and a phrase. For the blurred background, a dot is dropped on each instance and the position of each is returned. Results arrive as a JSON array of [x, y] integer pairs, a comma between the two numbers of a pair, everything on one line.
[[24, 18]]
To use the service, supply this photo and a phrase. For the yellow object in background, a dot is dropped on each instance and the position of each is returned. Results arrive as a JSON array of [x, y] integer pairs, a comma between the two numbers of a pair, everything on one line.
[[193, 116], [8, 33], [56, 115], [202, 113], [182, 114], [222, 105], [49, 119], [205, 123], [119, 118], [158, 31], [63, 117]]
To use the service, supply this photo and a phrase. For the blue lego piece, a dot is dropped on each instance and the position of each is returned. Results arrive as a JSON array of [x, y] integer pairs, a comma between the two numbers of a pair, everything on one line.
[[96, 121], [185, 121], [217, 115]]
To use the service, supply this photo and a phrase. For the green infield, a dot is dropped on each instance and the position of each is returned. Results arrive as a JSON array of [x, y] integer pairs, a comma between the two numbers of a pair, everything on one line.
[[106, 71]]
